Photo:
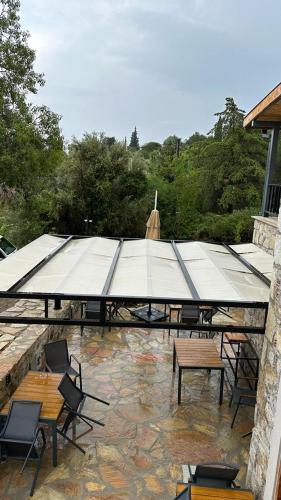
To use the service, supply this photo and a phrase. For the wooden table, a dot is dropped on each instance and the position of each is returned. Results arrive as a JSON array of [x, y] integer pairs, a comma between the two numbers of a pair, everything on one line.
[[42, 386], [208, 493], [197, 354]]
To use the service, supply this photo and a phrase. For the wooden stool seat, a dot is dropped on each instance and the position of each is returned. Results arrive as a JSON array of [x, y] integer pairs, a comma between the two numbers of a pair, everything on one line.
[[236, 338]]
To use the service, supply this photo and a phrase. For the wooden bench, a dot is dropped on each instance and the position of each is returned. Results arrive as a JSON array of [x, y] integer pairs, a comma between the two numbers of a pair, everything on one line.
[[197, 354]]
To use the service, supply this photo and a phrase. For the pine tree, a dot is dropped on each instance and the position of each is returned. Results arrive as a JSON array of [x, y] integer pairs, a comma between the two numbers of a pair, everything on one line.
[[229, 119], [134, 142]]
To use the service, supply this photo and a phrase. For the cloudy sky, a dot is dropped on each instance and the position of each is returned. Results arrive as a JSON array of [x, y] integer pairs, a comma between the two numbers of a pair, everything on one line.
[[162, 65]]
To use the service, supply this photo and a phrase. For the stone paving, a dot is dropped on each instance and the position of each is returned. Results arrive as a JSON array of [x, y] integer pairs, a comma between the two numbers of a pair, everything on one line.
[[147, 436]]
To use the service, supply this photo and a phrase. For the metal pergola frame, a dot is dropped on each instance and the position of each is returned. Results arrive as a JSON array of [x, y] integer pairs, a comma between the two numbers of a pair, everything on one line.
[[106, 299]]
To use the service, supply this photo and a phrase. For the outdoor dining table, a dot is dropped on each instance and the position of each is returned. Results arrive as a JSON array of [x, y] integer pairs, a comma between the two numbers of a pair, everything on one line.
[[197, 354], [42, 386]]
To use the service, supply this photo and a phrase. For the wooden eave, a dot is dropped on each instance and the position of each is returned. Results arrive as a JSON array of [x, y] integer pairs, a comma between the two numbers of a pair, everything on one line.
[[267, 110]]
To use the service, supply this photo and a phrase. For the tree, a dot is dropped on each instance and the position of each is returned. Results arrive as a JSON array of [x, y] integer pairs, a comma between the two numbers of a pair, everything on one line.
[[31, 145], [17, 76], [229, 119], [196, 137], [134, 142], [96, 181], [149, 148]]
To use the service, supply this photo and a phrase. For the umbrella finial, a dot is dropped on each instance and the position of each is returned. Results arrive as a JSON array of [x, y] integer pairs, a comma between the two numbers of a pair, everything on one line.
[[155, 200]]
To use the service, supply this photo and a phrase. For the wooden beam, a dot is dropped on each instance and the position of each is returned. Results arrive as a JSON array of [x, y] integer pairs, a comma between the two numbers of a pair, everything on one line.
[[263, 105]]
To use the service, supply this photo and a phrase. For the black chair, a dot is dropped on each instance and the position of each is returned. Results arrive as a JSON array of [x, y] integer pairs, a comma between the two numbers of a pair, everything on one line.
[[242, 396], [190, 315], [20, 433], [214, 474], [74, 399], [58, 359], [207, 317], [91, 310]]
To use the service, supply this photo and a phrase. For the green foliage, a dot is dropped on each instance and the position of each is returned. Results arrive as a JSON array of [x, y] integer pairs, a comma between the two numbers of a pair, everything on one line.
[[149, 148], [196, 137], [31, 145], [97, 181], [134, 142], [17, 76], [229, 228]]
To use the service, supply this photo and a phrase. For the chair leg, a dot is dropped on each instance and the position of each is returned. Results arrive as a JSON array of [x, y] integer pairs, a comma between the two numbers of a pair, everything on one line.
[[27, 457], [70, 440], [37, 469], [234, 416]]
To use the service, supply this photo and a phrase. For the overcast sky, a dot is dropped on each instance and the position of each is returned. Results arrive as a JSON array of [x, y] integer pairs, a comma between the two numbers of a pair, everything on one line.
[[162, 65]]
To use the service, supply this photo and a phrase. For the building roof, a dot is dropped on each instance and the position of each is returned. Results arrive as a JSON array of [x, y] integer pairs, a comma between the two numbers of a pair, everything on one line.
[[267, 110], [138, 268]]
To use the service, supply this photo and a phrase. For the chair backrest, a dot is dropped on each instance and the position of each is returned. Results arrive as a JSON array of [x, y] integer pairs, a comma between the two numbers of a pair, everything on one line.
[[22, 420], [71, 394], [56, 354], [190, 313], [225, 472]]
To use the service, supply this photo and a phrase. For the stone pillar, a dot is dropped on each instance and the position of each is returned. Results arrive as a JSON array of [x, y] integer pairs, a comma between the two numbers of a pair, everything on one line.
[[267, 418]]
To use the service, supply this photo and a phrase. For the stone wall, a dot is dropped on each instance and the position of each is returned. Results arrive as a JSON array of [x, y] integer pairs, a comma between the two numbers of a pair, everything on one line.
[[268, 387], [255, 317], [21, 346], [265, 229]]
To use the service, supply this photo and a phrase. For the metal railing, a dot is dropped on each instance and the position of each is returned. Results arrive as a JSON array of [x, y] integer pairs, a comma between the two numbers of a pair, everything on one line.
[[273, 200]]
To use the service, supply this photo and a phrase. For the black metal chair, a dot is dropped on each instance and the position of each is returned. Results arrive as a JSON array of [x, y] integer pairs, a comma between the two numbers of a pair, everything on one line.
[[190, 315], [74, 399], [215, 474], [242, 396], [20, 433], [58, 359]]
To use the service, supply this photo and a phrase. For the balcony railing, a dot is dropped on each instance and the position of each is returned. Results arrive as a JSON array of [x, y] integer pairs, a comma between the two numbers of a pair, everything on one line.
[[273, 200]]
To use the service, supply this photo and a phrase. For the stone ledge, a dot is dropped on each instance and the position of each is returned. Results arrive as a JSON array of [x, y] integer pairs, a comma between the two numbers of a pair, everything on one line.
[[270, 221]]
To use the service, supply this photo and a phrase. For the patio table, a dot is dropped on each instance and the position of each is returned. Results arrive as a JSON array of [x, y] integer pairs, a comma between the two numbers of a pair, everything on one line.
[[41, 386], [197, 354], [210, 493]]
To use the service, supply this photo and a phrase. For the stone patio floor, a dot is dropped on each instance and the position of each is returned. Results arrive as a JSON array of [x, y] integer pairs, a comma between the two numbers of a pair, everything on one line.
[[147, 436]]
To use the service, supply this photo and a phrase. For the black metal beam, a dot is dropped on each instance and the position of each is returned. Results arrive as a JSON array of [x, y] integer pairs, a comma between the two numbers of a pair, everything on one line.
[[264, 124], [185, 272], [270, 167], [135, 299], [247, 264], [131, 324], [39, 266], [112, 269]]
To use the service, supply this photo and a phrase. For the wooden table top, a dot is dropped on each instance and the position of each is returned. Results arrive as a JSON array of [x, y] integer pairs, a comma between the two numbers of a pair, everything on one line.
[[200, 353], [205, 493], [40, 386]]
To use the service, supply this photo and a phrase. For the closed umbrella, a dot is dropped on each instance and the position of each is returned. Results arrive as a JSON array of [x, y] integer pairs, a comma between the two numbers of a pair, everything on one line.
[[153, 223]]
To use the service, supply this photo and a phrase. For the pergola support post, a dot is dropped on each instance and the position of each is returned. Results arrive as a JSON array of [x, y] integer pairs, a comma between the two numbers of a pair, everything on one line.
[[57, 304], [270, 166]]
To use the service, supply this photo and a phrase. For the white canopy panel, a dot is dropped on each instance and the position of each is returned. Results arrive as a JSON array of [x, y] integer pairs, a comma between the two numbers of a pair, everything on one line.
[[257, 257], [17, 264], [81, 267], [217, 274], [149, 268]]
